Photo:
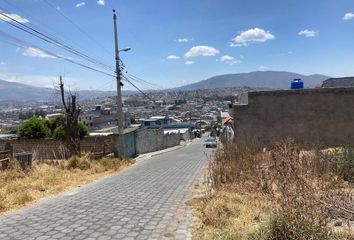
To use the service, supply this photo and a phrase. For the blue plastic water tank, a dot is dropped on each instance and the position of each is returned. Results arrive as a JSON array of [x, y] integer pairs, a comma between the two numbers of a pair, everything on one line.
[[297, 84]]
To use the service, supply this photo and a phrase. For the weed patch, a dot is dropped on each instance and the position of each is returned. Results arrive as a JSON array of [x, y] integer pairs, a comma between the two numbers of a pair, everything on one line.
[[46, 178], [283, 193]]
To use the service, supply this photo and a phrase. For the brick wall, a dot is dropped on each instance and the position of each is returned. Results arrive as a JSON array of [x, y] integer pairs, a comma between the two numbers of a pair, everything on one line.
[[313, 117], [55, 149]]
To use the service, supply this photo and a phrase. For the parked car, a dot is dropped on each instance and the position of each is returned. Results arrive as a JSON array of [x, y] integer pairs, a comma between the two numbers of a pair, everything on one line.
[[210, 142]]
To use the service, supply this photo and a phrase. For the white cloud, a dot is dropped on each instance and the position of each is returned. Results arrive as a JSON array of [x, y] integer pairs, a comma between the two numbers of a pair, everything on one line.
[[100, 2], [16, 17], [36, 52], [172, 57], [202, 51], [2, 63], [262, 67], [189, 62], [348, 16], [308, 33], [251, 35], [58, 8], [182, 40], [230, 60], [226, 58], [81, 4]]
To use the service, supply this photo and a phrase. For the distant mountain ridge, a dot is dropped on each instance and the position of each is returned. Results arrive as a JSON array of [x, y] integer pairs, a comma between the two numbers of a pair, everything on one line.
[[14, 92], [259, 79]]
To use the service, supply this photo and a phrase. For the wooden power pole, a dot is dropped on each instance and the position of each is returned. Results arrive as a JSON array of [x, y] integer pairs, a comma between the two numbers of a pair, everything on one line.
[[119, 92]]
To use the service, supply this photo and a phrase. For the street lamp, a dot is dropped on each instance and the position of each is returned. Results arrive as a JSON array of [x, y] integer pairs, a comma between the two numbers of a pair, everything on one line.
[[125, 49]]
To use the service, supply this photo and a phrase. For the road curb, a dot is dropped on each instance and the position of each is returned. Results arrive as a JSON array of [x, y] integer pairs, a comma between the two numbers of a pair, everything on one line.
[[152, 154]]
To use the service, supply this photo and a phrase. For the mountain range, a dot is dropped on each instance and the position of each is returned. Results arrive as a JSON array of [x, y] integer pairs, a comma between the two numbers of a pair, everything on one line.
[[13, 92], [259, 79]]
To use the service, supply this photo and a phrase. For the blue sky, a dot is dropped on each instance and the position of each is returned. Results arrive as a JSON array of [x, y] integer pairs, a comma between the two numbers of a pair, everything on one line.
[[178, 42]]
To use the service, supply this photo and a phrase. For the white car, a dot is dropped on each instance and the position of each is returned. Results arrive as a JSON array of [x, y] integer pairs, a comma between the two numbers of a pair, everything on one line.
[[210, 142]]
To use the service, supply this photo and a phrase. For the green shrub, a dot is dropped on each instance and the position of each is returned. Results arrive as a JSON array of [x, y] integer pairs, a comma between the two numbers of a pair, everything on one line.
[[55, 123], [59, 132], [33, 128], [82, 130]]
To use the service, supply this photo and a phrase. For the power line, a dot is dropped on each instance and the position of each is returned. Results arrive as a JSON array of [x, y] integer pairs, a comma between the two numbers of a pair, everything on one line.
[[22, 44], [32, 17], [78, 27], [141, 91], [138, 79], [41, 23], [150, 86], [144, 81], [51, 40]]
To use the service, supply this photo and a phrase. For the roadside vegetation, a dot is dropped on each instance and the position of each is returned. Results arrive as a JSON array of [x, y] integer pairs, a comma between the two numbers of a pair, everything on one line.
[[281, 194], [38, 127], [19, 188]]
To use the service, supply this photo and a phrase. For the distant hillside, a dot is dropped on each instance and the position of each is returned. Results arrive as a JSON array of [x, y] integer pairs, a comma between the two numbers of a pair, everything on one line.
[[259, 79], [12, 92]]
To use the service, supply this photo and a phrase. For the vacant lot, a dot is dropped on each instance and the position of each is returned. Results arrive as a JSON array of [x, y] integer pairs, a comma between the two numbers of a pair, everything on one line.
[[46, 178], [283, 193]]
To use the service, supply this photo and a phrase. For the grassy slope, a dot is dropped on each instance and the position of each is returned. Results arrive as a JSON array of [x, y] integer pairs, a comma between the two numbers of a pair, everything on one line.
[[18, 188]]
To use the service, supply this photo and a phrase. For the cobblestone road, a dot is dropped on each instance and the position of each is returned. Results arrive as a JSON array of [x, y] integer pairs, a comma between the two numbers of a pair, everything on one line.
[[142, 202]]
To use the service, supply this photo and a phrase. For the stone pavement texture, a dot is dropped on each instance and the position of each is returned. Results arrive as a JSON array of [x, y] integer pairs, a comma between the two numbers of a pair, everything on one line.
[[142, 202]]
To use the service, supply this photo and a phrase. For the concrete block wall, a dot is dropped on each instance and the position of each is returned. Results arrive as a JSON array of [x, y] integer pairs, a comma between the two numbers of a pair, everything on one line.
[[137, 142], [313, 117], [149, 140], [171, 140]]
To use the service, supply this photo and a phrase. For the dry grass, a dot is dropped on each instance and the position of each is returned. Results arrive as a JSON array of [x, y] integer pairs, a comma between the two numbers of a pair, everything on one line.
[[282, 194], [47, 178], [230, 215]]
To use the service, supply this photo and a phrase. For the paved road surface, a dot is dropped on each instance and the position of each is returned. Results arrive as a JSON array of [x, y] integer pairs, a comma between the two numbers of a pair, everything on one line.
[[142, 202]]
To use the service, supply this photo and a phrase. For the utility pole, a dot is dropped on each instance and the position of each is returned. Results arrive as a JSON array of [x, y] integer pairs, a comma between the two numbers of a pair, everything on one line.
[[119, 92]]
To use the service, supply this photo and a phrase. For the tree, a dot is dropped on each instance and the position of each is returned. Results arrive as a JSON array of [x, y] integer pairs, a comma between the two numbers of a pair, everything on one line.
[[71, 133], [33, 128], [83, 130], [55, 122], [59, 133]]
